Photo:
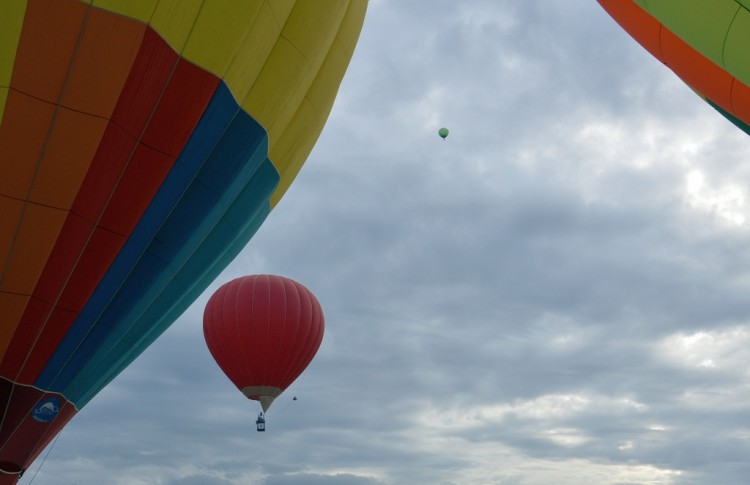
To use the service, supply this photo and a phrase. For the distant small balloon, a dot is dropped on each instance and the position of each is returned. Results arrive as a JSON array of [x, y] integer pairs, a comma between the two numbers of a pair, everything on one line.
[[443, 132]]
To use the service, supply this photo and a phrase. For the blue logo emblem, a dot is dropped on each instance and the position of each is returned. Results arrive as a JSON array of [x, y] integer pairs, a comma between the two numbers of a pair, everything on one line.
[[46, 410]]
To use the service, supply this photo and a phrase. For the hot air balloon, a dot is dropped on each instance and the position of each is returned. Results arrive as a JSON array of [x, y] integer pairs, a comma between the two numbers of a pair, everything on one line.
[[443, 132], [263, 331], [142, 144], [706, 43]]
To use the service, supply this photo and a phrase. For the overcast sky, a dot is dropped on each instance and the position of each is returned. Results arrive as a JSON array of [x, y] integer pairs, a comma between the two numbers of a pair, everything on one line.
[[559, 292]]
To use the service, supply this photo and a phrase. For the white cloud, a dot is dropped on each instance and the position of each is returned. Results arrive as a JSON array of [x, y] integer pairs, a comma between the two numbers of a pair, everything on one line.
[[726, 350], [727, 203]]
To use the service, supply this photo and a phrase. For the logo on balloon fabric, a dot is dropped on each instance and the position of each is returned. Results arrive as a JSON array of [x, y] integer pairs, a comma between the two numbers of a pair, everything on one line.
[[46, 410]]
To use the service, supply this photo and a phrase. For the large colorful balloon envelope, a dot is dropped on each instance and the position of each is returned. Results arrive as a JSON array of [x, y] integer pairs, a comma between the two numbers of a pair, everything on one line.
[[142, 144], [263, 331], [706, 43]]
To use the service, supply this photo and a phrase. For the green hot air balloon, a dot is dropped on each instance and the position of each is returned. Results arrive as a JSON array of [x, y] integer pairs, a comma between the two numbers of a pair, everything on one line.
[[704, 43], [443, 132]]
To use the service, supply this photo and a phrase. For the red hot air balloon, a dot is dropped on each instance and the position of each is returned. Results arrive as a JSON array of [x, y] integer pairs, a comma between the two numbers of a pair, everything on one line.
[[263, 331]]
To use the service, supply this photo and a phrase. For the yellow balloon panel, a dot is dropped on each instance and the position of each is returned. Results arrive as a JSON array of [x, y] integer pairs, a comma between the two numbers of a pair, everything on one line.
[[253, 53], [291, 149], [173, 20], [218, 32], [10, 30], [279, 89], [314, 44]]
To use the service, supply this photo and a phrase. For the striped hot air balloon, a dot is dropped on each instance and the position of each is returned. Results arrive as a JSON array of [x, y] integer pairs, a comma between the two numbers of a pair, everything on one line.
[[142, 144]]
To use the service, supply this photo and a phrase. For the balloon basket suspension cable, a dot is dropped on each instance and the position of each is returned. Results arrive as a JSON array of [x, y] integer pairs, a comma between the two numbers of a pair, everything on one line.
[[49, 450], [21, 471], [282, 410], [46, 454], [297, 386]]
